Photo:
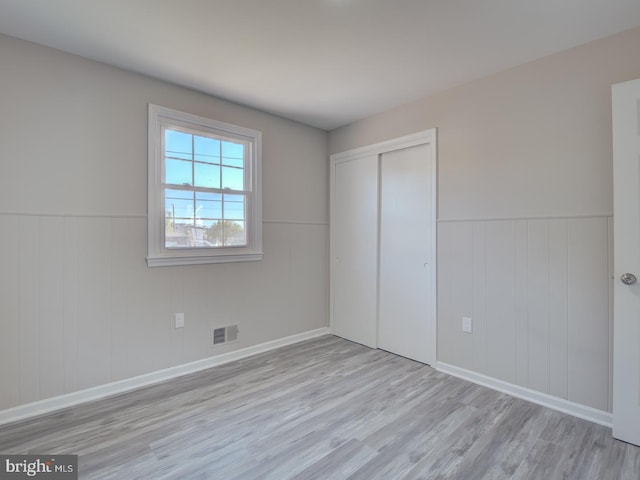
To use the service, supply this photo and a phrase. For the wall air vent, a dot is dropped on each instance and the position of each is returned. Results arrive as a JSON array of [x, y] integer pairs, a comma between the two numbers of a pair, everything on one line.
[[223, 335]]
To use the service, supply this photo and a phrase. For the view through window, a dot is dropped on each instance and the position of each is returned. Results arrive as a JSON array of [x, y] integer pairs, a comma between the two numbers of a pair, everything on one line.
[[205, 191]]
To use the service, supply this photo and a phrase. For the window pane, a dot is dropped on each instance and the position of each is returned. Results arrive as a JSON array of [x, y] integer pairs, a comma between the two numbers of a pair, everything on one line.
[[209, 207], [234, 234], [170, 193], [232, 178], [234, 207], [176, 237], [179, 223], [178, 172], [178, 218], [185, 234], [233, 154], [207, 224], [179, 208], [206, 175], [225, 233], [206, 149], [215, 234], [178, 144]]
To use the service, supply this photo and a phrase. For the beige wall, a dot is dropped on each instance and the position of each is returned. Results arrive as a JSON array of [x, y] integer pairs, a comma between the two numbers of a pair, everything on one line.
[[531, 141], [525, 205], [78, 306]]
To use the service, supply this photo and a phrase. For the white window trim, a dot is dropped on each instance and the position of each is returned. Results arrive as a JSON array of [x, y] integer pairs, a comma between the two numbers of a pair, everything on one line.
[[158, 255]]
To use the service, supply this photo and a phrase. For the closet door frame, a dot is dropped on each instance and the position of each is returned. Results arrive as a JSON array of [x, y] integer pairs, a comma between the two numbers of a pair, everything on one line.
[[429, 138]]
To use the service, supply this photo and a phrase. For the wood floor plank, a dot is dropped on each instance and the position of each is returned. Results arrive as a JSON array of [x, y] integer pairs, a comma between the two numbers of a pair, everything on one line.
[[631, 465], [340, 463], [325, 409]]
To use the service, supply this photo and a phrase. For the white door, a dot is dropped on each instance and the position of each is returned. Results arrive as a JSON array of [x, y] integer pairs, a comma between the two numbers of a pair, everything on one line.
[[354, 249], [406, 290], [626, 173]]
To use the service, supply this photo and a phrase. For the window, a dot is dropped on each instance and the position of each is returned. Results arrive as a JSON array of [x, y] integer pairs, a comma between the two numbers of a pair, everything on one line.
[[204, 190]]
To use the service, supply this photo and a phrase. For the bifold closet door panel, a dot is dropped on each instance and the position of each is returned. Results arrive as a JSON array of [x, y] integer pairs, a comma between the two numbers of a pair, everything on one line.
[[406, 246], [355, 249]]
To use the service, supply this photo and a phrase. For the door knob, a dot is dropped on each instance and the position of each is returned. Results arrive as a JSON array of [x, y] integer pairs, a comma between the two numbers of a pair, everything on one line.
[[628, 278]]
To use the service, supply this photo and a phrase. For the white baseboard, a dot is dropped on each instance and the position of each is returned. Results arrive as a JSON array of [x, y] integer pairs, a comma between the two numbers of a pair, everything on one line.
[[49, 405], [560, 404]]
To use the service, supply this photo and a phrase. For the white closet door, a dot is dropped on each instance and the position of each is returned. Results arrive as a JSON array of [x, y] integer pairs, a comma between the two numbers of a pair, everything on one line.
[[354, 249], [626, 211], [406, 291]]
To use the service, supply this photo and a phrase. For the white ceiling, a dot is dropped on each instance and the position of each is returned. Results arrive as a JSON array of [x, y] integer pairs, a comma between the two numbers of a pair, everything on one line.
[[325, 63]]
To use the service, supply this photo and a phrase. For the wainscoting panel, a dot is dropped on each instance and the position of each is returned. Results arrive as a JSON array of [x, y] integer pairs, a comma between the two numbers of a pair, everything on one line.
[[501, 301], [588, 302], [536, 325], [51, 306], [80, 309], [538, 291], [94, 301], [28, 309], [479, 303], [9, 311], [558, 308], [70, 342]]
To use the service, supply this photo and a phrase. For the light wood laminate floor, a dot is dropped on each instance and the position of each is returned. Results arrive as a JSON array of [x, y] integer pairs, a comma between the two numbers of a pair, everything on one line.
[[324, 409]]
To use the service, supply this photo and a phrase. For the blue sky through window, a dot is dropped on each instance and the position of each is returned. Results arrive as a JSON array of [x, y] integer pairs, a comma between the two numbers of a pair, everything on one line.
[[198, 163], [203, 162]]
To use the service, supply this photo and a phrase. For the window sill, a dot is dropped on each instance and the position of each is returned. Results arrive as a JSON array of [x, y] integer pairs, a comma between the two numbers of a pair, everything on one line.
[[176, 260]]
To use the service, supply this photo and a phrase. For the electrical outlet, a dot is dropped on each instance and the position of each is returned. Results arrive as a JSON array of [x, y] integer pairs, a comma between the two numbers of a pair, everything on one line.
[[467, 325], [179, 319]]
